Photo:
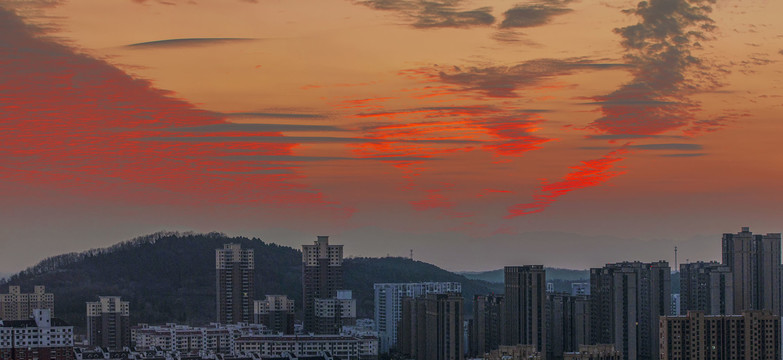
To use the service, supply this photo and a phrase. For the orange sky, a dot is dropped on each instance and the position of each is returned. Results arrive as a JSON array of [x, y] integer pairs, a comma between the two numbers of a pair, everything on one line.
[[489, 126]]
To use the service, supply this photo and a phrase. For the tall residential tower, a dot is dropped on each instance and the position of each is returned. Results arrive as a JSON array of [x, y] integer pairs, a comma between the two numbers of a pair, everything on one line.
[[322, 276], [754, 261], [235, 269], [525, 303], [108, 323], [627, 299]]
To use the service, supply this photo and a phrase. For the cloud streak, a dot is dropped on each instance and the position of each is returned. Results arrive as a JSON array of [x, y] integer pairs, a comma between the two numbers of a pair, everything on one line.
[[590, 173], [533, 14], [434, 13], [504, 81], [187, 42]]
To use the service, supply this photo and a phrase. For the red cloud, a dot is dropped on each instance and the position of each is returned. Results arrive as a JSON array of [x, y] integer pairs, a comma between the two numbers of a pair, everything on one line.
[[590, 173], [75, 123]]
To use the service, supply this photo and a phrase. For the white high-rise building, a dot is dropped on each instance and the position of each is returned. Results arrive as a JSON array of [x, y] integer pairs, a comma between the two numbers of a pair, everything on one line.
[[388, 306]]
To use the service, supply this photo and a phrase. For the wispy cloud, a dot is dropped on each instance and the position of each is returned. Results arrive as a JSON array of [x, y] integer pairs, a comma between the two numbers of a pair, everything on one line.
[[273, 115], [533, 14], [299, 158], [247, 128], [660, 50], [504, 81], [589, 173], [187, 42], [435, 13], [680, 147], [685, 155]]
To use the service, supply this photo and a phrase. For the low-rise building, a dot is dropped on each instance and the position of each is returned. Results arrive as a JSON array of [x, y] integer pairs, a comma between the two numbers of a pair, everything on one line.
[[183, 339], [343, 347], [40, 338], [516, 352], [594, 352]]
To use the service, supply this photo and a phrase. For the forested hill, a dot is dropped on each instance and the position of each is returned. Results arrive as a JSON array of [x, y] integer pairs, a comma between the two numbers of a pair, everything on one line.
[[170, 277]]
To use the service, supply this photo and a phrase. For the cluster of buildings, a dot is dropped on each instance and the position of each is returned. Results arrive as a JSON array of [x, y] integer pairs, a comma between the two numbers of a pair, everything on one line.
[[725, 310], [246, 328]]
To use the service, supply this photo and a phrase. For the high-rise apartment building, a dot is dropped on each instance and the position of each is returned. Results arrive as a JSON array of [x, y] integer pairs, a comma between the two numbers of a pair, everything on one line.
[[696, 336], [432, 327], [707, 287], [276, 312], [40, 337], [626, 301], [525, 303], [331, 314], [16, 305], [108, 322], [754, 261], [567, 324], [388, 305], [488, 325], [322, 276], [235, 274]]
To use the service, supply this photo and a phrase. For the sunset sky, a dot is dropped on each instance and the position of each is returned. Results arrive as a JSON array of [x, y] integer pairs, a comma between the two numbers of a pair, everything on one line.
[[477, 133]]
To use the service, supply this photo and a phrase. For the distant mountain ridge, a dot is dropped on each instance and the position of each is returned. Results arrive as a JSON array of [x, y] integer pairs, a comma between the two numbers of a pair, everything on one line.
[[170, 277], [562, 278], [496, 276]]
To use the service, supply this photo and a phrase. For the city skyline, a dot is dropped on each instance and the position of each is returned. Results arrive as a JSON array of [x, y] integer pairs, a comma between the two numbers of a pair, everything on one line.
[[501, 129], [629, 312], [712, 247]]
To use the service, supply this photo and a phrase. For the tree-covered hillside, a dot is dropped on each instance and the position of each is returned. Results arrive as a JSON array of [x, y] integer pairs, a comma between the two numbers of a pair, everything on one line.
[[170, 277]]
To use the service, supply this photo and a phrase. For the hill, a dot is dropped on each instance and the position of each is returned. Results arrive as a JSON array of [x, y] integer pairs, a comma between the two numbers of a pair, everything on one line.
[[170, 277]]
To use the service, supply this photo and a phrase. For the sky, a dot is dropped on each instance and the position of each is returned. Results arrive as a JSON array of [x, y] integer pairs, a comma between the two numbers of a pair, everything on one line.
[[477, 134]]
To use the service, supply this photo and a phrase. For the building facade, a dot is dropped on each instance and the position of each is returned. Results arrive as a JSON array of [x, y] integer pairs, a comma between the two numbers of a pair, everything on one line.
[[568, 324], [108, 323], [515, 352], [342, 347], [38, 338], [754, 261], [276, 312], [488, 324], [594, 352], [626, 301], [322, 276], [16, 305], [582, 288], [388, 305], [707, 287], [331, 314], [696, 336], [187, 340], [235, 274], [525, 304], [432, 327]]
